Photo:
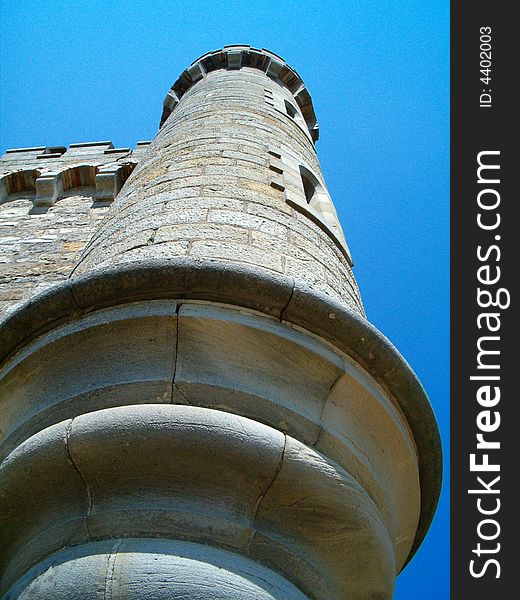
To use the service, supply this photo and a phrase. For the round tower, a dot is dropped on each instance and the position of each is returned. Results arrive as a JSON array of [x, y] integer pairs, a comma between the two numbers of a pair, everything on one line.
[[202, 410]]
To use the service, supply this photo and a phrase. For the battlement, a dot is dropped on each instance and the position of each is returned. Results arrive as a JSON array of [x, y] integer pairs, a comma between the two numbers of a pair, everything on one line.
[[48, 171], [236, 57]]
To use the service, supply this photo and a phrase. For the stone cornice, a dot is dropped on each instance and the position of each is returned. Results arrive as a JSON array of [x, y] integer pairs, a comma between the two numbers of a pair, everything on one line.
[[235, 57]]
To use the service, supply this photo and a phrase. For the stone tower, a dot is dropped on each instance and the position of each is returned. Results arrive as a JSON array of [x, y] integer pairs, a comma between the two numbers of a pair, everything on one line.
[[201, 409]]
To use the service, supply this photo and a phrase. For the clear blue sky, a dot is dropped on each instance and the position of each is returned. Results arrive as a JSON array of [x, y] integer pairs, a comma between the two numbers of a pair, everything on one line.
[[378, 72]]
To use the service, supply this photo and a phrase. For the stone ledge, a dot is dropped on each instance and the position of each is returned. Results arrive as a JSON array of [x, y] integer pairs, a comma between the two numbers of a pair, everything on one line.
[[104, 144], [221, 480], [224, 358], [260, 290], [149, 564], [32, 150]]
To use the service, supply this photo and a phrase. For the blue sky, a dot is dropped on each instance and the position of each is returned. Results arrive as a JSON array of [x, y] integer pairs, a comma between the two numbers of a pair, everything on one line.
[[378, 73]]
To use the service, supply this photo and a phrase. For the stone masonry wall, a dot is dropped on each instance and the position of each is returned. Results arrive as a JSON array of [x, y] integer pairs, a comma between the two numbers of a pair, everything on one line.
[[39, 245], [209, 187], [37, 250]]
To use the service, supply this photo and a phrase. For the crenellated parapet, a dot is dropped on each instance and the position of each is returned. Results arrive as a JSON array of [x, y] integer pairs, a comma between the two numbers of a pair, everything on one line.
[[236, 57], [48, 171]]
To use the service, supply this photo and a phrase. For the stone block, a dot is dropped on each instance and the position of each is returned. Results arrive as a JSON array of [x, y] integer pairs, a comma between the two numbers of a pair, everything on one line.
[[239, 253], [108, 183], [250, 221], [49, 187]]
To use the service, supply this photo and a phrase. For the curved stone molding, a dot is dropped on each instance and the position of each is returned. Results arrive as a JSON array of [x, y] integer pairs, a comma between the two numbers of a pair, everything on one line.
[[215, 357], [260, 291], [139, 568], [199, 475], [107, 179], [236, 57], [127, 357]]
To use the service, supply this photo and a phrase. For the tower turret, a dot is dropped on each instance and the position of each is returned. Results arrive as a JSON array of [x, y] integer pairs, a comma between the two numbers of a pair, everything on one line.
[[202, 409]]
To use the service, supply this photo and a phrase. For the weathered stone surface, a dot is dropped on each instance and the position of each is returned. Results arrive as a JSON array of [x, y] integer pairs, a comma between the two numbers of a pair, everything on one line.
[[39, 249], [152, 568], [43, 502], [225, 359], [300, 497], [127, 356], [205, 476]]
